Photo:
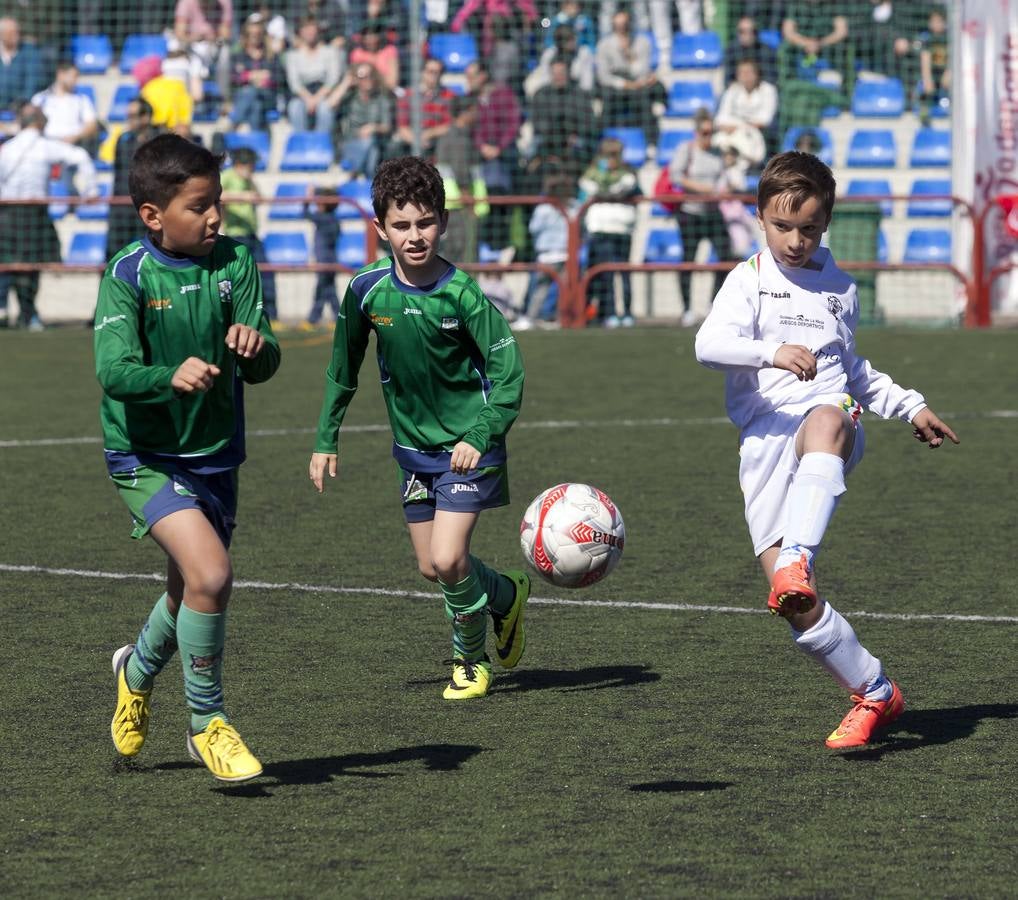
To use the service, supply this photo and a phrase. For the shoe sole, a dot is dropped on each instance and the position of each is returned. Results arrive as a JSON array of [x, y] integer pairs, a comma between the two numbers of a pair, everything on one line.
[[194, 753], [792, 603]]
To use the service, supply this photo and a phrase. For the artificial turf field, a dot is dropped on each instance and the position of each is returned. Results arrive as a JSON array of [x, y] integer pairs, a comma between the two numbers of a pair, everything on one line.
[[661, 738]]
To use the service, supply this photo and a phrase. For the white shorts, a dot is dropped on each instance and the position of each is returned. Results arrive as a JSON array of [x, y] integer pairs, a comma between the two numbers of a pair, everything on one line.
[[767, 465]]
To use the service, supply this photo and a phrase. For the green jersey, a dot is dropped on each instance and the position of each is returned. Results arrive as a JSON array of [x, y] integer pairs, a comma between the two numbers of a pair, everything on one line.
[[450, 367], [154, 312]]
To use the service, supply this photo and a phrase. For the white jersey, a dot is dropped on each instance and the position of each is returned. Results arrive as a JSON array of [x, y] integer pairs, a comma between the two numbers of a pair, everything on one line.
[[763, 305]]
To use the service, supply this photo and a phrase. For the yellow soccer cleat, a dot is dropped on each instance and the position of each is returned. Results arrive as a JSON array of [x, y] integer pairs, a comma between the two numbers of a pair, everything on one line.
[[470, 679], [130, 722], [222, 751], [510, 638]]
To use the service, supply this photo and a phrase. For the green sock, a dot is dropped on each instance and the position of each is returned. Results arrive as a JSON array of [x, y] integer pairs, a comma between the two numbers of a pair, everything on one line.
[[154, 648], [201, 637], [464, 606], [500, 590]]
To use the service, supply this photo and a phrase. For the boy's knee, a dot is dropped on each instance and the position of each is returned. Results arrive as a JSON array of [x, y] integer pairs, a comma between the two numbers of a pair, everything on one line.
[[450, 568], [213, 580], [427, 570], [828, 429]]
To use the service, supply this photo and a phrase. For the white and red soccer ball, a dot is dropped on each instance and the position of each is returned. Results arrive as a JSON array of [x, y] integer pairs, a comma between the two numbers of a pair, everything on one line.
[[572, 535]]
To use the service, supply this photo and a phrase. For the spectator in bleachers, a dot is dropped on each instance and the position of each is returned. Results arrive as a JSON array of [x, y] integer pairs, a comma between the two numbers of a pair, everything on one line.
[[395, 15], [523, 14], [629, 88], [22, 72], [457, 160], [256, 77], [240, 217], [549, 230], [374, 48], [366, 121], [609, 227], [696, 168], [934, 63], [204, 29], [188, 68], [172, 106], [313, 72], [498, 124], [746, 113], [506, 60], [565, 126], [27, 234], [322, 214], [766, 14], [70, 116], [816, 44], [655, 16], [747, 45], [123, 224], [331, 16], [741, 225], [578, 57], [570, 15], [436, 114], [884, 33]]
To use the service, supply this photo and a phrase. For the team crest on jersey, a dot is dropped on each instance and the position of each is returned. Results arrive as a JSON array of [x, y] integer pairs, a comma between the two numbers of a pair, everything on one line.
[[225, 291], [834, 306], [450, 323]]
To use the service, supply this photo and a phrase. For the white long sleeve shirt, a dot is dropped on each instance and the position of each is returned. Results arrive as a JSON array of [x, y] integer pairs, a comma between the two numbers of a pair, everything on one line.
[[27, 159], [741, 107], [763, 305]]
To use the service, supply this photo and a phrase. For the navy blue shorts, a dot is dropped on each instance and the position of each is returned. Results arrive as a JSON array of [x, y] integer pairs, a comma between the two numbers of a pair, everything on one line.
[[424, 492]]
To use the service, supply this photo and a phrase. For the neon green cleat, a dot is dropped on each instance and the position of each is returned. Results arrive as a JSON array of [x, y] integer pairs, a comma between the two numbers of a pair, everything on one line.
[[225, 755], [510, 638], [470, 679], [130, 722]]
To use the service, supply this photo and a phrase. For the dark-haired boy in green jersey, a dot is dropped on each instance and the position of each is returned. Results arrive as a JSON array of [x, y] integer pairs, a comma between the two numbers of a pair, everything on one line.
[[452, 378], [179, 327]]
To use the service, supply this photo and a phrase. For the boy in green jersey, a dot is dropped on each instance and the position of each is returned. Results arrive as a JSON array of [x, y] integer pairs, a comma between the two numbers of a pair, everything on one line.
[[179, 327], [452, 378]]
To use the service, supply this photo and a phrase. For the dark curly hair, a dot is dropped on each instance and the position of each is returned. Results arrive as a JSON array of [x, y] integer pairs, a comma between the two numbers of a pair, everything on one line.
[[407, 179]]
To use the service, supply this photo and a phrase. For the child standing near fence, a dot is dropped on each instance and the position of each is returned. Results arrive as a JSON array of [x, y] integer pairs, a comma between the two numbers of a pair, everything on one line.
[[322, 214]]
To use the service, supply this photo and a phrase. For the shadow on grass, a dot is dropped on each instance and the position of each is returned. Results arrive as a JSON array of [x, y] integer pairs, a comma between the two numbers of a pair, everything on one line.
[[917, 728], [676, 787], [595, 678]]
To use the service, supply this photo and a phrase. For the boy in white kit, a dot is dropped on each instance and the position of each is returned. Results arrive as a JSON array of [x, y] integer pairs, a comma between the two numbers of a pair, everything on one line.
[[783, 330]]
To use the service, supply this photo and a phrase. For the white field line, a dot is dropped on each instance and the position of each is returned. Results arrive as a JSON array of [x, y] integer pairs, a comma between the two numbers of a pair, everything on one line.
[[300, 588], [547, 423]]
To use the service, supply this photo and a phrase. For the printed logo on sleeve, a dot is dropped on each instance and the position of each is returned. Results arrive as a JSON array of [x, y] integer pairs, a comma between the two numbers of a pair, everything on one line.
[[834, 306]]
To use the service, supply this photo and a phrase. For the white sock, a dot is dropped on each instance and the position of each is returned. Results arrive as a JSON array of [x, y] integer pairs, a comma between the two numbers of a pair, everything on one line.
[[833, 644], [819, 482]]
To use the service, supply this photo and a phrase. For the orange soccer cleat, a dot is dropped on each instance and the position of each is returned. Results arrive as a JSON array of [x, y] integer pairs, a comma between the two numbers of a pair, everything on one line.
[[865, 717], [792, 591]]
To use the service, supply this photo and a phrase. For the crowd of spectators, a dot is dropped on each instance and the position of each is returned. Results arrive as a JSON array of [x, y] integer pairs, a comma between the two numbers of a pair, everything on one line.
[[551, 77]]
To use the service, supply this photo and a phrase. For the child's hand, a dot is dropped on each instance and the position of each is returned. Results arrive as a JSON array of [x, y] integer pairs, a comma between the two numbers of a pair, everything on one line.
[[928, 428], [320, 464], [192, 375], [798, 360], [464, 458], [244, 340]]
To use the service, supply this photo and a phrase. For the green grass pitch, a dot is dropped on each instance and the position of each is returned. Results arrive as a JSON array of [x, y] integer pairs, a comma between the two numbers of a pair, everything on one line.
[[639, 750]]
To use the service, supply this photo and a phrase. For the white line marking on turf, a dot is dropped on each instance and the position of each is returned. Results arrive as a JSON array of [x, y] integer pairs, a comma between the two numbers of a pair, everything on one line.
[[549, 601], [547, 423]]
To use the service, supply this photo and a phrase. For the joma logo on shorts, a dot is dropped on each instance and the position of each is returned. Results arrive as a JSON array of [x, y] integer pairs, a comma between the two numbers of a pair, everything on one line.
[[464, 488]]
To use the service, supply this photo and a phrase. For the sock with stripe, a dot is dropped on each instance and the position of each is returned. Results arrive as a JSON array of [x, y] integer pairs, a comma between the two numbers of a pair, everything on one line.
[[832, 642], [201, 637], [465, 604], [154, 648], [812, 498], [500, 590]]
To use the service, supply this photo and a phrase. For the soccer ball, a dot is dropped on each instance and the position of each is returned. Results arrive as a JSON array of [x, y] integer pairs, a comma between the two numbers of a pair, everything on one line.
[[572, 535]]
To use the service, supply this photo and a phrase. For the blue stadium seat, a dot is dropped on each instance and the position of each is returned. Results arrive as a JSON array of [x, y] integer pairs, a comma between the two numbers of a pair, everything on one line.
[[872, 147], [770, 38], [256, 140], [92, 53], [86, 90], [456, 51], [294, 210], [826, 154], [930, 147], [634, 144], [58, 210], [696, 51], [859, 187], [884, 97], [88, 248], [138, 46], [663, 246], [207, 110], [921, 186], [928, 245], [307, 151], [686, 97], [98, 211], [288, 248], [350, 249], [123, 95], [358, 189], [668, 142]]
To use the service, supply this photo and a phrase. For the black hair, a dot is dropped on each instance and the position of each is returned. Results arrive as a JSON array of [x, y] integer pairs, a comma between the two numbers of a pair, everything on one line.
[[143, 105], [407, 179], [243, 156], [161, 166]]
